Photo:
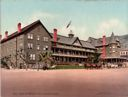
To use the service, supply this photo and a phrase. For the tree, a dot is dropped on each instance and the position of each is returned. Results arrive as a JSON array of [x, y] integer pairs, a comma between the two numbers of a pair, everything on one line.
[[4, 63], [23, 56], [7, 62], [45, 58], [96, 57]]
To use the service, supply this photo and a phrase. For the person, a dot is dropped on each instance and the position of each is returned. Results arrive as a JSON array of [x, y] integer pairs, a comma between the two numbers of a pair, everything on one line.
[[45, 66]]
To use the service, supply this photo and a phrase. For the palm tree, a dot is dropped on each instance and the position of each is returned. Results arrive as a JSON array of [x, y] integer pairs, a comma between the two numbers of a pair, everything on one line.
[[46, 59]]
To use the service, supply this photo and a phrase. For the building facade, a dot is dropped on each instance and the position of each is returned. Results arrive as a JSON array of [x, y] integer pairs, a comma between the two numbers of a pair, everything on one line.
[[25, 45], [124, 53], [109, 49]]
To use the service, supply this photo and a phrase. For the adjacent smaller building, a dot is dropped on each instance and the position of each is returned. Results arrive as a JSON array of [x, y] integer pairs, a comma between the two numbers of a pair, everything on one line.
[[109, 47], [124, 53]]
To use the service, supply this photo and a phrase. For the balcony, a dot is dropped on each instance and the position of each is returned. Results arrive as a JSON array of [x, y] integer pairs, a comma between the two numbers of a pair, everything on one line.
[[92, 51], [68, 47], [69, 55]]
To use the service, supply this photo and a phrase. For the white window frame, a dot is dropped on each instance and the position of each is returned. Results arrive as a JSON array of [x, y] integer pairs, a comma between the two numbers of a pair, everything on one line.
[[32, 56], [30, 45], [38, 47], [38, 37], [45, 38], [30, 36]]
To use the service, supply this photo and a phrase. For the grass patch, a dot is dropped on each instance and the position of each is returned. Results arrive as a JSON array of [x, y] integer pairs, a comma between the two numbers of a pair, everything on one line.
[[69, 67]]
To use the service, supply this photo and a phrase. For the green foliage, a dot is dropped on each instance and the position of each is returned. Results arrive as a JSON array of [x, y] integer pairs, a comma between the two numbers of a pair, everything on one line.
[[45, 57], [4, 63], [96, 58], [69, 67], [90, 59]]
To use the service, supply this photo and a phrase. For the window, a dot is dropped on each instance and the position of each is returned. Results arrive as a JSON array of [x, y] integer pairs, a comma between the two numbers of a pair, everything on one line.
[[113, 51], [32, 57], [21, 44], [30, 36], [38, 37], [114, 47], [30, 46], [45, 38], [38, 47], [45, 48], [126, 53]]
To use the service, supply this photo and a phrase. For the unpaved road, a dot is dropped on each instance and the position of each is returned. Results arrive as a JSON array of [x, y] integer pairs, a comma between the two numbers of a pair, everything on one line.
[[65, 83]]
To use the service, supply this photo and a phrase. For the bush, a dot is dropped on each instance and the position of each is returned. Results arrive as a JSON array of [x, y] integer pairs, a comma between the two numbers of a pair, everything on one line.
[[69, 67]]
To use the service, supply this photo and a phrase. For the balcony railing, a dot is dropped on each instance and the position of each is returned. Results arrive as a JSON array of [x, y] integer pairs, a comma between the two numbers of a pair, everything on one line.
[[69, 55], [74, 48]]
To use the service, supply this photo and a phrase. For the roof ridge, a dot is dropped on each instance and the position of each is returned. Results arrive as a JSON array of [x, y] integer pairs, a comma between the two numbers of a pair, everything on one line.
[[62, 35], [26, 26], [22, 30]]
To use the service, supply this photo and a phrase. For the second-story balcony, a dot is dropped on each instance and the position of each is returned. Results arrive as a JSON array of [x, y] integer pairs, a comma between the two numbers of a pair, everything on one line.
[[69, 55], [69, 47], [73, 48]]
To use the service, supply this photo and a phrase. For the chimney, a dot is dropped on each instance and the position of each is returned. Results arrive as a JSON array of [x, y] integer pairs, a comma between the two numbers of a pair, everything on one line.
[[55, 35], [19, 27], [6, 34], [104, 40], [104, 48], [0, 37]]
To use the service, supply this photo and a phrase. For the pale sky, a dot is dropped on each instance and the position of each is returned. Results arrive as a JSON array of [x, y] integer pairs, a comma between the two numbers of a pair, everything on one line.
[[90, 18]]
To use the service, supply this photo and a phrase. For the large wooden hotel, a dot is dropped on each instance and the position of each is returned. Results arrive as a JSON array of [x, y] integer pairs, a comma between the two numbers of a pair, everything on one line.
[[33, 39]]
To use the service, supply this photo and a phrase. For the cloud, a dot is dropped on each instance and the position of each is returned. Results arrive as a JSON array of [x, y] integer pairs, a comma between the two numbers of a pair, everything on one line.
[[106, 27], [109, 26], [38, 15], [79, 31], [46, 17]]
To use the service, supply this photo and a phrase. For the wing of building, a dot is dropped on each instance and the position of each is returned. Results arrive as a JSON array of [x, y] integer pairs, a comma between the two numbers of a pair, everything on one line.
[[116, 47], [25, 45]]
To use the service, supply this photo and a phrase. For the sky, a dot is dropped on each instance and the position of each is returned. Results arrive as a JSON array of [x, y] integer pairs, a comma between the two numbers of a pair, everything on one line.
[[89, 18]]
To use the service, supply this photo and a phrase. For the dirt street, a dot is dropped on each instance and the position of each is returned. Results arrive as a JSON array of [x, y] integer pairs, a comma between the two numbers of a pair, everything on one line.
[[65, 83]]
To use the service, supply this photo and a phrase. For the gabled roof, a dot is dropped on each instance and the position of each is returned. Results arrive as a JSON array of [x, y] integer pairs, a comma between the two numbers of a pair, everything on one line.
[[78, 40], [86, 44], [124, 41], [112, 38], [98, 42], [61, 39], [64, 39], [24, 30], [69, 41], [92, 40]]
